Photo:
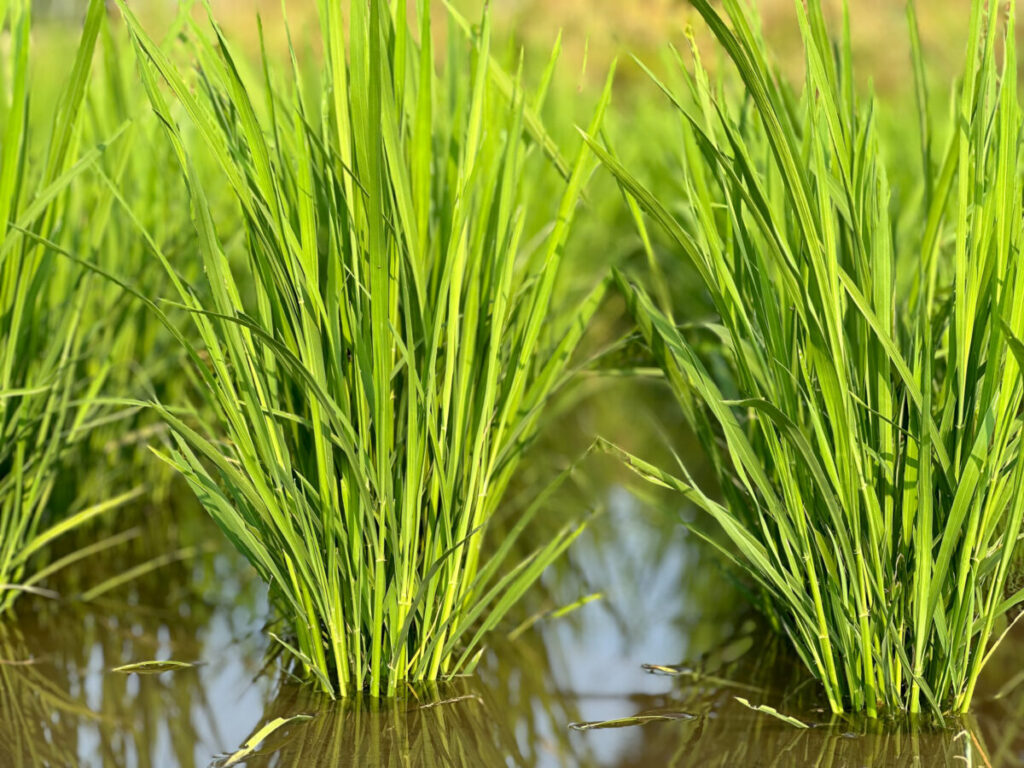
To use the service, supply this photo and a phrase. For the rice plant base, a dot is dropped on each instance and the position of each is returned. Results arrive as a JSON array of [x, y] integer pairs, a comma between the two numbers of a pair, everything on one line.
[[379, 365]]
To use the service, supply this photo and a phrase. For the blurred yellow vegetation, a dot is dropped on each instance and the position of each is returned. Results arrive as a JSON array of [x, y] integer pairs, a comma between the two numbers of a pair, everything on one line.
[[644, 27], [595, 31]]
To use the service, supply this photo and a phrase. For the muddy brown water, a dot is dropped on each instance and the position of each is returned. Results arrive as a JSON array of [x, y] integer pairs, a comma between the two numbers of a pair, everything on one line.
[[569, 692]]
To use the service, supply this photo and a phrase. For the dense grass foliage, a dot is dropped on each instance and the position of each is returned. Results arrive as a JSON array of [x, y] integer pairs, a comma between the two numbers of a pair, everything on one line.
[[366, 248], [379, 363], [47, 404], [859, 392]]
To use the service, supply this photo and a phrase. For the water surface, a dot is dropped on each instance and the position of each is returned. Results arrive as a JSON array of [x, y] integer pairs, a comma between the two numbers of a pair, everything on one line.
[[572, 691]]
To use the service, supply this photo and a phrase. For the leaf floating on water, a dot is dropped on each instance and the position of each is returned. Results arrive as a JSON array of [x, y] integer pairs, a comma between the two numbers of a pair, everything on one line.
[[455, 700], [696, 676], [261, 735], [155, 667], [628, 722], [666, 669], [19, 662], [765, 709]]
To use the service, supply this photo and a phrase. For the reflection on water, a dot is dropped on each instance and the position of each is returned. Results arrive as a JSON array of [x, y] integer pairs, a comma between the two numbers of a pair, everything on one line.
[[664, 602], [61, 705]]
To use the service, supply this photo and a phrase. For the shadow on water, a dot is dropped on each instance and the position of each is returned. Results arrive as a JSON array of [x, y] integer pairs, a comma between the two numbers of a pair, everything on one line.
[[664, 600]]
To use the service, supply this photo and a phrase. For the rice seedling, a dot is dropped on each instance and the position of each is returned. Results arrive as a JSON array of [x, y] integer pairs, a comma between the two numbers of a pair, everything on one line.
[[46, 405], [859, 392], [379, 363]]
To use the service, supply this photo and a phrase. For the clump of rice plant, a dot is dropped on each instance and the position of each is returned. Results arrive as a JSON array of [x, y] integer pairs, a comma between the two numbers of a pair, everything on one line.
[[46, 405], [860, 397], [378, 365]]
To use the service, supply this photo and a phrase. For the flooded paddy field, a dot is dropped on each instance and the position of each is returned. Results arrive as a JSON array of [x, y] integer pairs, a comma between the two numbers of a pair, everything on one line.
[[410, 384], [571, 692], [634, 677]]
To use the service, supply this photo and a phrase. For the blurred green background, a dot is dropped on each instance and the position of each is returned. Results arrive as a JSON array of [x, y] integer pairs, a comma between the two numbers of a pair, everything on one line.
[[595, 31]]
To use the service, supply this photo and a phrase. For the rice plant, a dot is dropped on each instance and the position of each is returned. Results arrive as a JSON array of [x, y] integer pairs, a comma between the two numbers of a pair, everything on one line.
[[46, 405], [859, 391], [379, 363]]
